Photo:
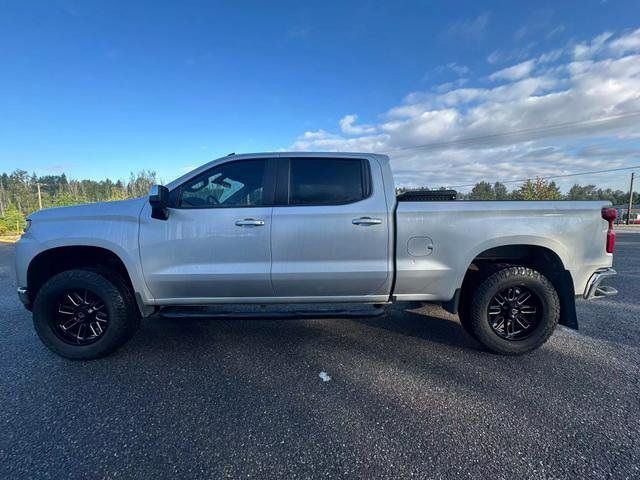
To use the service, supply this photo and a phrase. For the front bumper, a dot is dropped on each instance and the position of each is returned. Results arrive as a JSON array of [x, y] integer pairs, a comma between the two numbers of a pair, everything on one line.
[[595, 289], [23, 295]]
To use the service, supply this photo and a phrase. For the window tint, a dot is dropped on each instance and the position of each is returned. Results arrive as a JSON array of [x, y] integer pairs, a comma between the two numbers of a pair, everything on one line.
[[232, 184], [325, 181]]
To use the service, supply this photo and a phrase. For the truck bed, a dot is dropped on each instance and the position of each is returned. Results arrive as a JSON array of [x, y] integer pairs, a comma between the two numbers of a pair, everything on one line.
[[436, 241]]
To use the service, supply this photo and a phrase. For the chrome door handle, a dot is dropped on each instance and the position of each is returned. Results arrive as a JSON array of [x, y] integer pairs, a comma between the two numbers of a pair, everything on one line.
[[366, 221], [249, 222]]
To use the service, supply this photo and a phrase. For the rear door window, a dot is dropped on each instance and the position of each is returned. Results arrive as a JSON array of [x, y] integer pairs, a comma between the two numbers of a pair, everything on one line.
[[327, 181]]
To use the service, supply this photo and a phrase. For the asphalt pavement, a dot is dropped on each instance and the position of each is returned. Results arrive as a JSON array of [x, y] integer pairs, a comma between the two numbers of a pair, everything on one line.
[[401, 396]]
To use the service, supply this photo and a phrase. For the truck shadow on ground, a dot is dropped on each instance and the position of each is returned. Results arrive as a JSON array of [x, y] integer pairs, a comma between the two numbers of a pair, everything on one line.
[[430, 326], [423, 326]]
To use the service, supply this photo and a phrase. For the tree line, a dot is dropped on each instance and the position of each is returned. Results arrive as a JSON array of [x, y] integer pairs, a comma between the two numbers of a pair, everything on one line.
[[22, 194], [541, 189]]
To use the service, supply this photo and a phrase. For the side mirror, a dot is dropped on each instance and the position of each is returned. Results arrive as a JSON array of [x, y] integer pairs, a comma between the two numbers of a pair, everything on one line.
[[159, 200]]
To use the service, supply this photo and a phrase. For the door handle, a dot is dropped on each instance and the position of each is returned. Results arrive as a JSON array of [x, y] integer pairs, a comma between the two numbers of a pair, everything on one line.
[[249, 222], [366, 221]]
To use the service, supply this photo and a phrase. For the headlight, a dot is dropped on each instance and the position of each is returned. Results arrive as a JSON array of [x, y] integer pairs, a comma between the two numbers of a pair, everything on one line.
[[27, 226]]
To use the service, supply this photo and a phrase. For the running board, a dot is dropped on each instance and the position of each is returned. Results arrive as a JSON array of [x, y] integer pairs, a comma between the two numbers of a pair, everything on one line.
[[266, 313]]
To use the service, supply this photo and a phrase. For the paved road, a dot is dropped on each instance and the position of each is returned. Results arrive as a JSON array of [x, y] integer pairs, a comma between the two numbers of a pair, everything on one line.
[[409, 395]]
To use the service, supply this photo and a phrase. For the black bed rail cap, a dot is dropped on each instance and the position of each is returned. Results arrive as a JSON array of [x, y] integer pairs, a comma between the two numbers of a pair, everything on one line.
[[427, 196]]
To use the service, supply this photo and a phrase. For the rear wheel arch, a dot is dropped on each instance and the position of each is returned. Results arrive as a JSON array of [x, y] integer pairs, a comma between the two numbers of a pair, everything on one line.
[[537, 257]]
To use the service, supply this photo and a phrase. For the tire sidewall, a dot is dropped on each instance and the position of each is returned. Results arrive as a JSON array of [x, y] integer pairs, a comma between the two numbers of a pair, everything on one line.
[[115, 304]]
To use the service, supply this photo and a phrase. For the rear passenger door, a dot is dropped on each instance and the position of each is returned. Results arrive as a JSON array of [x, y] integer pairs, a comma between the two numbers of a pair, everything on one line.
[[330, 233]]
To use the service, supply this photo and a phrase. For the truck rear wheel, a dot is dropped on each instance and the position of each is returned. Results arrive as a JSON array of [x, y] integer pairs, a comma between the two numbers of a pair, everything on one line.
[[83, 314], [514, 311]]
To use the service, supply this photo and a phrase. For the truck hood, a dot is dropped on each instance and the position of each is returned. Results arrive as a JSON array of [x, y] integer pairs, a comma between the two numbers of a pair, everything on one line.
[[92, 211]]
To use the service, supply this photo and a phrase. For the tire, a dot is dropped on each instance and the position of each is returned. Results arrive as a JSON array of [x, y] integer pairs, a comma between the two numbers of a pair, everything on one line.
[[100, 301], [464, 316], [464, 310], [503, 322]]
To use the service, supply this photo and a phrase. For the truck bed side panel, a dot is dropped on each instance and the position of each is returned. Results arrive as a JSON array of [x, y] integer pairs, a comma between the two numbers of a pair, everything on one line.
[[437, 241]]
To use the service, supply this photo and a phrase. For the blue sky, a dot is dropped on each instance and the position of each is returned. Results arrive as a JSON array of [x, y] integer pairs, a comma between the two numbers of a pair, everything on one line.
[[99, 89]]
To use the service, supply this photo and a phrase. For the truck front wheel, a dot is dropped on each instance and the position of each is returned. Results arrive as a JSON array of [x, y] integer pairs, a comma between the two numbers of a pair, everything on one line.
[[83, 314], [514, 311]]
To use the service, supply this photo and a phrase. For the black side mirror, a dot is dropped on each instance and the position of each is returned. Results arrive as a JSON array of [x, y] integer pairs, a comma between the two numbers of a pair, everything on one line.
[[159, 200]]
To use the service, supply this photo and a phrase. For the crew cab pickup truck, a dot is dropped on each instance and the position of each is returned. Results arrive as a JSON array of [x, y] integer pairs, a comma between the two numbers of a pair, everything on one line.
[[309, 228]]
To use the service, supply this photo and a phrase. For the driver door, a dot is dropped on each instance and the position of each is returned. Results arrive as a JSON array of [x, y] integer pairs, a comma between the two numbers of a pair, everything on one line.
[[216, 242]]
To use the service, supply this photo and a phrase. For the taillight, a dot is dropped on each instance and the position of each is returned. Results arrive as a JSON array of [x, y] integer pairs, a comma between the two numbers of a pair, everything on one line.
[[610, 214]]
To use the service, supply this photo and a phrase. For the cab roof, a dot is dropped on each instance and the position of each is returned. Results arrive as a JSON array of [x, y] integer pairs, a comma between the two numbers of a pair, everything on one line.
[[247, 156]]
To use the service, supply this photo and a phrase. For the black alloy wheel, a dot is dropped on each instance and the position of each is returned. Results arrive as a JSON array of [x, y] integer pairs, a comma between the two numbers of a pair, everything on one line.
[[83, 314], [80, 318], [514, 313]]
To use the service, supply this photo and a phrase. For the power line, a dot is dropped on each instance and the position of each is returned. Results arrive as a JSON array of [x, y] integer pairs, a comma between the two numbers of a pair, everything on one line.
[[548, 129], [550, 177]]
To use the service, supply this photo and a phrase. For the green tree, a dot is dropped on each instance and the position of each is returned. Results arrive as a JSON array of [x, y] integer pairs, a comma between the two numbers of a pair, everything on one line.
[[580, 192], [13, 222], [500, 191], [482, 191], [538, 189]]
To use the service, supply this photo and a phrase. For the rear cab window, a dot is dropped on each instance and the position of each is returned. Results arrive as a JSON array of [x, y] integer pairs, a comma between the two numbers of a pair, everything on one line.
[[328, 181]]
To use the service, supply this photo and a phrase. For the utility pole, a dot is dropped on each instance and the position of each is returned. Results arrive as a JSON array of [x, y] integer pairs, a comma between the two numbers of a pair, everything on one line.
[[1, 199], [630, 200], [40, 195]]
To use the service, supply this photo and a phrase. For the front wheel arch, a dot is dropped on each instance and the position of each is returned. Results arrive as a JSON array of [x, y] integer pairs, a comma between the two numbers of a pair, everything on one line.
[[59, 259]]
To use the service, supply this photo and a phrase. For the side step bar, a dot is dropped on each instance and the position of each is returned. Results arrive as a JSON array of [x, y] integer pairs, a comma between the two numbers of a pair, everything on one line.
[[257, 313]]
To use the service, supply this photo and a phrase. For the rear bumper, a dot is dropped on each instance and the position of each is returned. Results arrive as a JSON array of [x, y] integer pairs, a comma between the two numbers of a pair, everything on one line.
[[595, 289]]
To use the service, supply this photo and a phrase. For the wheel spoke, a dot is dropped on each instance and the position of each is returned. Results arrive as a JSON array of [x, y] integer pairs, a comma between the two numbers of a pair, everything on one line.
[[69, 324], [523, 323], [63, 309], [95, 328], [79, 336], [80, 317], [514, 312], [523, 297]]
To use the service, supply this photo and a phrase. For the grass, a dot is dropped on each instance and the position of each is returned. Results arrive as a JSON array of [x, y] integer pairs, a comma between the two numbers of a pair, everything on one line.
[[9, 238]]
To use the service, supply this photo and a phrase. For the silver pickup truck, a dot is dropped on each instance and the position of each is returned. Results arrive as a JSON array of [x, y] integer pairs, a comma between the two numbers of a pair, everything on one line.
[[309, 228]]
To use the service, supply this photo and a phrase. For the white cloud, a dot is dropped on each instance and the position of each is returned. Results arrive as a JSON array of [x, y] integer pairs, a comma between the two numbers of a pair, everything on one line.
[[516, 72], [510, 131], [587, 50], [472, 28], [460, 70], [626, 43], [551, 56], [495, 57], [347, 126]]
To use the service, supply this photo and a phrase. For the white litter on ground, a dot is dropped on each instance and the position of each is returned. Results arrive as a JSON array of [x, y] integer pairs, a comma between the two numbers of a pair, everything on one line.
[[324, 376]]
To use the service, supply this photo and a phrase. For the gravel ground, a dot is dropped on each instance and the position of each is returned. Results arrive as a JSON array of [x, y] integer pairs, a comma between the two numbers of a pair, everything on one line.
[[408, 395]]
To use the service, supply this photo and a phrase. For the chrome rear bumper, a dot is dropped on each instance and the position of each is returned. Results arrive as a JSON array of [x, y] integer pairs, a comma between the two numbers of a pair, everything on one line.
[[595, 290]]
